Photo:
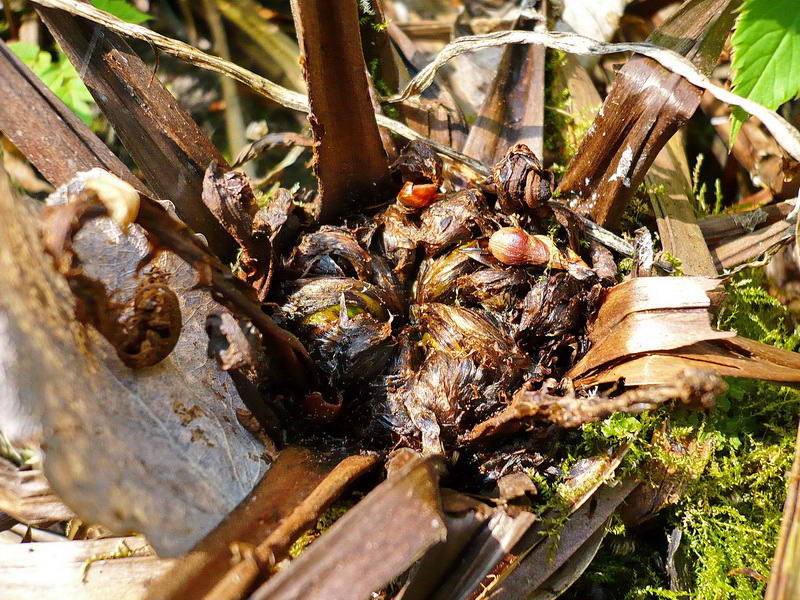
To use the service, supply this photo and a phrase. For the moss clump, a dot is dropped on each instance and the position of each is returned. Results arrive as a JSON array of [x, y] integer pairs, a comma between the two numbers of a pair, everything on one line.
[[730, 516], [328, 518], [556, 119]]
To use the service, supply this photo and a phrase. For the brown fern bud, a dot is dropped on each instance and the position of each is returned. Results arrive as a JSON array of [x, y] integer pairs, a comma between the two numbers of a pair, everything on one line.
[[515, 246]]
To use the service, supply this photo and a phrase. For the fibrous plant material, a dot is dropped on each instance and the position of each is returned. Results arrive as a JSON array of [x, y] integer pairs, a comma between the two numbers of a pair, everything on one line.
[[692, 388]]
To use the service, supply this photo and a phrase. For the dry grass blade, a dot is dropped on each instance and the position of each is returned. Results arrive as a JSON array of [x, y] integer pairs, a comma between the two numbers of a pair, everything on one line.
[[278, 52], [542, 563], [484, 552], [784, 581], [680, 234], [26, 496], [587, 479], [372, 543], [54, 570], [786, 135], [267, 88]]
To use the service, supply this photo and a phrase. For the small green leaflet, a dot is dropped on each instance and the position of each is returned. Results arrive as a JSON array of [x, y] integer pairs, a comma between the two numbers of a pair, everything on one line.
[[60, 76], [766, 54], [122, 10]]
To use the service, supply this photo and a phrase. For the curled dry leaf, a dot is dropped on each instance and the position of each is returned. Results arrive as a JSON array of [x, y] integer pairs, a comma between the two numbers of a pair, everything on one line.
[[228, 196], [174, 460], [649, 329]]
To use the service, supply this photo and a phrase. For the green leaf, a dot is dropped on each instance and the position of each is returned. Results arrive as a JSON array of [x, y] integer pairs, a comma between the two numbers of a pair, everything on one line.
[[122, 10], [60, 76], [766, 54]]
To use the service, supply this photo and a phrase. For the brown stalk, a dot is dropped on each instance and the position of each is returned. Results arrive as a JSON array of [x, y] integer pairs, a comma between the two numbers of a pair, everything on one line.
[[647, 105], [692, 387], [240, 580], [397, 521], [513, 111], [350, 160], [169, 147], [31, 113]]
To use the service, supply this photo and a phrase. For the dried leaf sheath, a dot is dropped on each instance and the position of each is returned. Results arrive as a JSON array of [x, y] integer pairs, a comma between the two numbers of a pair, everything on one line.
[[646, 106], [399, 519], [350, 161], [513, 111], [170, 148], [31, 112]]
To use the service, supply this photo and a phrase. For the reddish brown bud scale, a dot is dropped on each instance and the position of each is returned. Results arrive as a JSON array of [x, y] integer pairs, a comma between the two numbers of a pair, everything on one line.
[[419, 195]]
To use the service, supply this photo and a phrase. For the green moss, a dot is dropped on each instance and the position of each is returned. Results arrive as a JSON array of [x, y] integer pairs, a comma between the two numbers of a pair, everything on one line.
[[328, 518], [730, 516], [556, 120], [674, 261], [640, 206]]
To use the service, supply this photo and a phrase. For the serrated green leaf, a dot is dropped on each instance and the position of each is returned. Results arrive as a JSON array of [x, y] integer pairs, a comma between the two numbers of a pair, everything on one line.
[[122, 10], [766, 54]]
